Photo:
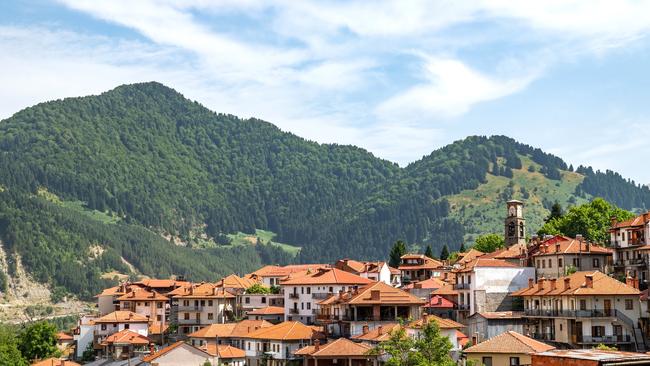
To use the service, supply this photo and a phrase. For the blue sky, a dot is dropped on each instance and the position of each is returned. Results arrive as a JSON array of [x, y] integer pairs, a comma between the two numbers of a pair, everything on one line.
[[399, 78]]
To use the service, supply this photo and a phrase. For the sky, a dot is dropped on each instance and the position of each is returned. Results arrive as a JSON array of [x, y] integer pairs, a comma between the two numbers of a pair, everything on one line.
[[398, 78]]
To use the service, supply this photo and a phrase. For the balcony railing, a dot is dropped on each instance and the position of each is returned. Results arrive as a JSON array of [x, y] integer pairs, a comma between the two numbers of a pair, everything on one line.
[[321, 295], [463, 306], [607, 339], [190, 308], [294, 295], [543, 336], [293, 311], [461, 286], [597, 313], [189, 321]]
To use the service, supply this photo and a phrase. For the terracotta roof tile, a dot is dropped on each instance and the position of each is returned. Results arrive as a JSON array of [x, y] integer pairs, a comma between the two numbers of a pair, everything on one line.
[[62, 336], [158, 328], [141, 294], [446, 290], [168, 349], [431, 283], [602, 285], [429, 263], [126, 336], [439, 302], [223, 351], [501, 314], [509, 342], [269, 310], [162, 283], [374, 293], [122, 316], [637, 221], [378, 334], [442, 323], [341, 347], [54, 362], [570, 246], [281, 271], [328, 276], [292, 330], [230, 330], [203, 291], [487, 262], [234, 281]]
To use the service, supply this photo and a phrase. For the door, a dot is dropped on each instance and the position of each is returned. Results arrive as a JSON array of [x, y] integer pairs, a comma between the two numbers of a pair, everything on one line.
[[578, 331], [608, 307]]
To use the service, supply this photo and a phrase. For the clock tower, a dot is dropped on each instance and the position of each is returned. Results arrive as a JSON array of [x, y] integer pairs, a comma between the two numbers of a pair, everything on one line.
[[515, 224]]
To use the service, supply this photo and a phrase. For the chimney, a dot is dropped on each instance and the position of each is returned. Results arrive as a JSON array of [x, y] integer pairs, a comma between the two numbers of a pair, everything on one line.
[[417, 285], [557, 247], [589, 281], [636, 283], [316, 344], [540, 283], [531, 283], [588, 246], [425, 318], [613, 221], [365, 329], [567, 283], [375, 295], [629, 281], [553, 281], [380, 329], [62, 363]]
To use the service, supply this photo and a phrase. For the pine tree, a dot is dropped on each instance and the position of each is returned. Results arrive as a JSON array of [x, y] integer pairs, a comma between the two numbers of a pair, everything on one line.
[[462, 248], [428, 252], [396, 253], [444, 253], [556, 212]]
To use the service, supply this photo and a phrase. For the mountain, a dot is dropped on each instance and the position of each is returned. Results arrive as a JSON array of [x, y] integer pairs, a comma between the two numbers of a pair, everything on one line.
[[141, 180]]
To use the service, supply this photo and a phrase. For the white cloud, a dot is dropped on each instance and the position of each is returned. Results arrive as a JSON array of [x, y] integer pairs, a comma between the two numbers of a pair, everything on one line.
[[452, 89]]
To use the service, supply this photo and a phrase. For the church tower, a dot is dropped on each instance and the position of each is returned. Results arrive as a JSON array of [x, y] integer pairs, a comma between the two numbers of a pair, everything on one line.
[[515, 224]]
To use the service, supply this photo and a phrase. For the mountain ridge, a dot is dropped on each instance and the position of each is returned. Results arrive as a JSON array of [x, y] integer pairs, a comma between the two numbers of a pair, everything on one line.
[[156, 161]]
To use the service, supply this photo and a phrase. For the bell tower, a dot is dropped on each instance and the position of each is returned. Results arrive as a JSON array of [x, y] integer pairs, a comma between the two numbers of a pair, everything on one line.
[[515, 224]]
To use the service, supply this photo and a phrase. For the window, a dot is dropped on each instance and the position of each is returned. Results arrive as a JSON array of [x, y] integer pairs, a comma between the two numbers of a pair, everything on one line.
[[308, 306], [126, 326], [103, 326], [469, 279], [263, 300], [550, 263], [159, 305], [186, 303], [186, 316], [596, 262], [210, 302], [583, 304], [248, 346], [629, 304], [543, 263], [623, 235], [159, 318], [539, 265], [331, 289], [487, 361], [514, 361], [202, 302], [576, 262], [247, 300], [308, 290], [146, 303], [559, 262], [210, 316], [302, 290], [302, 306], [597, 331]]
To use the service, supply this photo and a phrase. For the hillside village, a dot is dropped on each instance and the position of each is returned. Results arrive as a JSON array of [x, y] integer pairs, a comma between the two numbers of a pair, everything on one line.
[[542, 301]]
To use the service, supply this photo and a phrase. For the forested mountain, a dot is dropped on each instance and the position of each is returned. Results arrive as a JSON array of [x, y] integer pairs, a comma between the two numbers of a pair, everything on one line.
[[159, 174]]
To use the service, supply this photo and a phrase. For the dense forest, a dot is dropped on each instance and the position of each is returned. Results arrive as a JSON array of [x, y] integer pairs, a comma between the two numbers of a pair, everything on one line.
[[165, 166]]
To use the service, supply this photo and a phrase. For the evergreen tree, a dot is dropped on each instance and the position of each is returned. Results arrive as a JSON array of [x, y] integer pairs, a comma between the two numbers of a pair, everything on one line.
[[556, 212], [462, 248], [444, 253], [428, 252], [396, 253]]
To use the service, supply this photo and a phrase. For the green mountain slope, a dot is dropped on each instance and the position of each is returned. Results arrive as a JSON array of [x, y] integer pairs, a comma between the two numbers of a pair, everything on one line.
[[165, 182]]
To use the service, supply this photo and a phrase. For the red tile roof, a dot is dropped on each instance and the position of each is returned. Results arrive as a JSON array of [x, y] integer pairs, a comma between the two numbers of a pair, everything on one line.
[[637, 221], [236, 282], [329, 276], [431, 283], [578, 286], [509, 342], [126, 336], [169, 349], [140, 294], [442, 322], [61, 336], [54, 362], [292, 330], [487, 262], [429, 263], [374, 293], [501, 314], [378, 334], [269, 310], [570, 246], [162, 283], [122, 316], [202, 291], [224, 351], [230, 330], [341, 347], [439, 302]]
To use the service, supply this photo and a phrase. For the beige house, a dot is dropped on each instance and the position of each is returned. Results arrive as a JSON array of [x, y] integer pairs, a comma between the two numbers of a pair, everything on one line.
[[179, 353], [506, 349], [559, 253], [200, 305]]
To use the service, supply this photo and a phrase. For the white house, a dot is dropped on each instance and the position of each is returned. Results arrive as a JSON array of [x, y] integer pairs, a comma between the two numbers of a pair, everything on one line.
[[375, 271], [179, 353], [280, 342], [118, 321]]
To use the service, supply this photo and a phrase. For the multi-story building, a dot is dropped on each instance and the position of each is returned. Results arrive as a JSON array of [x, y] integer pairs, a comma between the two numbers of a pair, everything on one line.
[[226, 334], [124, 344], [486, 284], [507, 349], [272, 314], [419, 267], [489, 324], [144, 302], [249, 302], [339, 352], [279, 343], [583, 310], [200, 305], [272, 275], [448, 328], [555, 256], [375, 271], [303, 293], [373, 305], [118, 321], [630, 240]]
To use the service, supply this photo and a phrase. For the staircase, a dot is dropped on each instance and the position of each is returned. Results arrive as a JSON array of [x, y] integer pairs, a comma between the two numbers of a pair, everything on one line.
[[639, 339]]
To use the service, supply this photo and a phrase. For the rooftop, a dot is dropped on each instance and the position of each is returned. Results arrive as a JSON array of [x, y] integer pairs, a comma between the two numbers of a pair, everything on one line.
[[617, 357], [442, 323], [141, 294], [501, 314], [126, 336], [578, 284], [509, 342], [379, 334], [428, 263], [122, 316], [374, 293], [202, 291], [341, 347], [327, 276], [54, 362], [287, 331], [487, 263], [269, 310], [230, 330], [236, 282], [224, 351]]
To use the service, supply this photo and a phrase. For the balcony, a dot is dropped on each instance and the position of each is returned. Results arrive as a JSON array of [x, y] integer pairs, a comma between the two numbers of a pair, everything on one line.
[[293, 311], [598, 313], [321, 295], [189, 321], [294, 295], [461, 286], [190, 308], [606, 339], [463, 306], [543, 336]]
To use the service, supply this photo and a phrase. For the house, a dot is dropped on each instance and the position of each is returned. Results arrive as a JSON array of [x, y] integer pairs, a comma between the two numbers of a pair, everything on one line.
[[347, 312], [279, 343], [179, 353], [118, 321], [559, 253], [448, 328], [419, 267], [162, 286], [83, 334], [631, 242], [200, 305], [54, 362], [583, 310], [589, 357], [303, 293], [467, 257], [65, 344], [377, 335], [141, 301], [272, 314], [124, 344], [107, 300], [226, 355], [485, 284], [485, 325], [236, 284], [506, 349], [339, 352], [158, 332], [226, 334], [424, 288], [375, 271], [272, 275], [441, 307]]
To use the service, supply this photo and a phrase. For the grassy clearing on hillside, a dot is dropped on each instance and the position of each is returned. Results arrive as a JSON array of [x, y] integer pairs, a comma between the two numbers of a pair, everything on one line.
[[482, 210], [265, 237], [79, 206]]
